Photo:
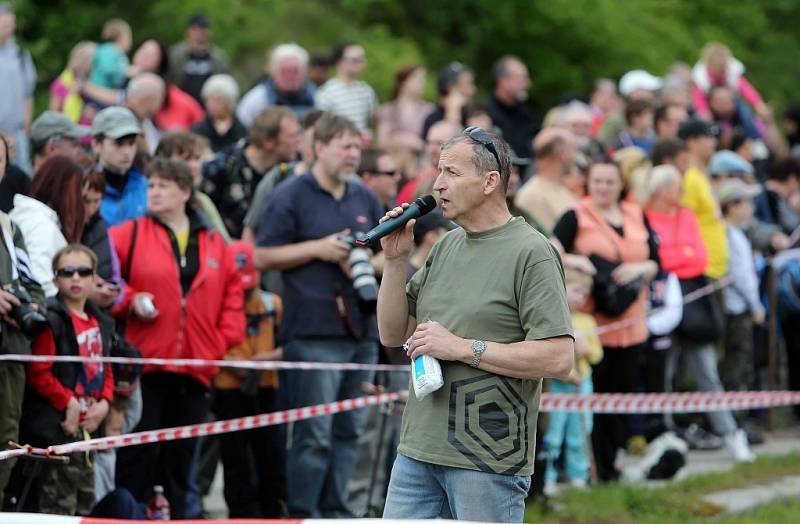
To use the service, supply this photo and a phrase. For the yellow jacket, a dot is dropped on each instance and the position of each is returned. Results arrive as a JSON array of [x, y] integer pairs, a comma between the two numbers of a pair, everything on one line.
[[699, 198]]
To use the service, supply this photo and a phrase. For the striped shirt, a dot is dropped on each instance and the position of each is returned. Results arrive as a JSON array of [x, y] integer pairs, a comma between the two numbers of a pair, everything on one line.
[[355, 101]]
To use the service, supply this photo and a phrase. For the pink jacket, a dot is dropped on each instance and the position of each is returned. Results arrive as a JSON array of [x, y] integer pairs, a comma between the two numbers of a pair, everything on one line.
[[681, 247]]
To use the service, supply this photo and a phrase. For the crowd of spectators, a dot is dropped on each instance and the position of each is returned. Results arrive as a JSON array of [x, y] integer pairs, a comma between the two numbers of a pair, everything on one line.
[[153, 211]]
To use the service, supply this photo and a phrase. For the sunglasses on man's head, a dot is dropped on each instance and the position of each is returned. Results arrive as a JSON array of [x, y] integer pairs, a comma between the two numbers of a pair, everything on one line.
[[68, 271], [482, 137]]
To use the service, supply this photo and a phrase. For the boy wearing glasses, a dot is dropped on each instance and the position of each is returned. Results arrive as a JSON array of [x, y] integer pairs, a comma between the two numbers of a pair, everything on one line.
[[495, 295], [66, 401]]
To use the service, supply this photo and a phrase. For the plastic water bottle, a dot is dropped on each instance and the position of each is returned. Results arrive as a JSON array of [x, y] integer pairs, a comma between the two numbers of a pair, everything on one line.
[[158, 507], [426, 374]]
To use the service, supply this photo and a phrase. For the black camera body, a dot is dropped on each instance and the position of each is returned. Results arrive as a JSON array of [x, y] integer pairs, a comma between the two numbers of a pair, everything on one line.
[[28, 318]]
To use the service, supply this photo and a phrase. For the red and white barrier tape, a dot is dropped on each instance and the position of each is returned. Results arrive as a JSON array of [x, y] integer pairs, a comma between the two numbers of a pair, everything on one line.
[[199, 362], [40, 518], [687, 298], [597, 403], [275, 365], [224, 426], [696, 402]]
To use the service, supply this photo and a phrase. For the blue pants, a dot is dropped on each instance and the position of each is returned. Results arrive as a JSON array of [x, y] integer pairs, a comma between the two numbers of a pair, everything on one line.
[[570, 428], [323, 450], [419, 490]]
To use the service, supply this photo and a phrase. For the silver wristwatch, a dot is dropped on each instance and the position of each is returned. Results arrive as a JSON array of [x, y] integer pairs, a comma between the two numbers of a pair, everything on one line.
[[478, 347]]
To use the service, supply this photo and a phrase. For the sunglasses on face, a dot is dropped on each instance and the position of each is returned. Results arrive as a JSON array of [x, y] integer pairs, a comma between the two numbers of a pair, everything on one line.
[[386, 173], [68, 271], [482, 137]]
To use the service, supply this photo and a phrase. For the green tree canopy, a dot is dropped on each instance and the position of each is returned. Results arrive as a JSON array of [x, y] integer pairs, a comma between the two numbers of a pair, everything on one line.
[[567, 44]]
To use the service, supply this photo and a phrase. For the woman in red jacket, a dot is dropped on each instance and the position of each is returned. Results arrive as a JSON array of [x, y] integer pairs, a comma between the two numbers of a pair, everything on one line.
[[682, 252], [183, 298]]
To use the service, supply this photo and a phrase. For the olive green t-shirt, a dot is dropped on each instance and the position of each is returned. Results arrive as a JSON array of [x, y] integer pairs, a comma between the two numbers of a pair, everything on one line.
[[503, 285]]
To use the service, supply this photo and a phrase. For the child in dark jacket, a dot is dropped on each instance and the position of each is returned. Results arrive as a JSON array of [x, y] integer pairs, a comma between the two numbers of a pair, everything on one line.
[[70, 401], [252, 460]]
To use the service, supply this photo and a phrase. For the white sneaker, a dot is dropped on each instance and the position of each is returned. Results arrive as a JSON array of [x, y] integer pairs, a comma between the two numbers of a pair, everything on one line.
[[736, 443], [551, 489], [578, 483]]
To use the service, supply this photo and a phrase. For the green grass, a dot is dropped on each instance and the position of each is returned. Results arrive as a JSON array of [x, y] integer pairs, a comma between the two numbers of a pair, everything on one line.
[[679, 503]]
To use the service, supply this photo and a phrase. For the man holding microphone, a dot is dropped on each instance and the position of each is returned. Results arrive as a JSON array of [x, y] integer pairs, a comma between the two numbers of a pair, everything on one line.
[[490, 305]]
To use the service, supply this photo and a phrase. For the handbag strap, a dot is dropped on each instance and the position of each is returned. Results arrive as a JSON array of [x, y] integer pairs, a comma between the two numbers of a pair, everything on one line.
[[127, 273], [604, 228]]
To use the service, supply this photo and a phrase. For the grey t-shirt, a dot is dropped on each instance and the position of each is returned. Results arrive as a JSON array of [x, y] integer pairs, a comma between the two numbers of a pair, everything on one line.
[[18, 76], [503, 285]]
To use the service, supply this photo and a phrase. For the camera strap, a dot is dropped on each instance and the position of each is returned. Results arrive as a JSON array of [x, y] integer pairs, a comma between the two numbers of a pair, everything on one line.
[[344, 315]]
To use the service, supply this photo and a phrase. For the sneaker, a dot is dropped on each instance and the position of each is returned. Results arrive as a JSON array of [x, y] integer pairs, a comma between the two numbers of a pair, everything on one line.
[[737, 445], [551, 489], [700, 439], [578, 483]]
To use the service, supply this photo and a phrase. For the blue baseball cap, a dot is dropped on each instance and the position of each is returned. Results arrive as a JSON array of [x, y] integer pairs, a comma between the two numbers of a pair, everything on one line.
[[730, 163]]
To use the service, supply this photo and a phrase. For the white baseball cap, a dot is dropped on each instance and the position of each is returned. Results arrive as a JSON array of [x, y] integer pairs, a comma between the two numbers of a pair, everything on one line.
[[639, 79]]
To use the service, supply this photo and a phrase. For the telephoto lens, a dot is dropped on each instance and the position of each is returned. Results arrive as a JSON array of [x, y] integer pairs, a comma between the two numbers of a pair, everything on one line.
[[363, 276]]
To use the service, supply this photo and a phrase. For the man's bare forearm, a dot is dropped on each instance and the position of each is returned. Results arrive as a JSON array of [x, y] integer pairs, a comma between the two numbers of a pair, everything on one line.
[[289, 256], [547, 358], [393, 318]]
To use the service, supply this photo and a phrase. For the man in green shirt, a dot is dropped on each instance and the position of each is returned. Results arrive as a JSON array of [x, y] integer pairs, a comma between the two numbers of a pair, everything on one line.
[[491, 306]]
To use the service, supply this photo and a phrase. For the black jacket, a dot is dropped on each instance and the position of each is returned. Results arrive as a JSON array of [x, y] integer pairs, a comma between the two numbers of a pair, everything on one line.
[[40, 424], [95, 237]]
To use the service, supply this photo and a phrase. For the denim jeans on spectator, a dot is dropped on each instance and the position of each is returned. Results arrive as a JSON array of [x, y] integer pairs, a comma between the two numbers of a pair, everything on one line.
[[323, 450], [419, 490], [700, 360], [570, 429]]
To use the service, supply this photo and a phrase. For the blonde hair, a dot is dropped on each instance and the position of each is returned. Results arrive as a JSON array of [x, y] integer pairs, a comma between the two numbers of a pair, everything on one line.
[[81, 54], [115, 28], [651, 182], [579, 278], [631, 159], [715, 52]]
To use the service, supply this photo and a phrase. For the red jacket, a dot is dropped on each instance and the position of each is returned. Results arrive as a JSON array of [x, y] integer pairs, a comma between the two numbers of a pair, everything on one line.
[[681, 248], [205, 322]]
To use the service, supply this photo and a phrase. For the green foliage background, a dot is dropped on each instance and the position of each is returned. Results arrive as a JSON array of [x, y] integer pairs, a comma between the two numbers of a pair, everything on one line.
[[567, 44]]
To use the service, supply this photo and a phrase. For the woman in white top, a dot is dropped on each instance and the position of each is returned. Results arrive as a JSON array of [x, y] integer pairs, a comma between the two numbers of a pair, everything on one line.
[[51, 217]]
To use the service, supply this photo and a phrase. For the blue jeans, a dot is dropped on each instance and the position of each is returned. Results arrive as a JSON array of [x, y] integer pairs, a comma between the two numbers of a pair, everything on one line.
[[571, 428], [323, 450], [419, 490]]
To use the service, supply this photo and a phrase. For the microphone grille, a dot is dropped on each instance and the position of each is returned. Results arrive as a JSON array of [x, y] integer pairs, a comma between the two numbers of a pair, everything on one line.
[[426, 204]]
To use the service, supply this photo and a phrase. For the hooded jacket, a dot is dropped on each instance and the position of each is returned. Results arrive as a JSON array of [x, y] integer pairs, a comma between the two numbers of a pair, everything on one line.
[[199, 320], [42, 231]]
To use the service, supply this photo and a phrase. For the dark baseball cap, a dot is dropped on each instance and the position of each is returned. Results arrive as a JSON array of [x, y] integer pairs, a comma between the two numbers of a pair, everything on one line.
[[695, 128], [199, 20], [430, 222]]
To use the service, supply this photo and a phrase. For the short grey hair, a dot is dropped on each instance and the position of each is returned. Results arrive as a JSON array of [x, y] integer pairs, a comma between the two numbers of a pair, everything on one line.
[[483, 159], [500, 68], [223, 86], [648, 183], [290, 50]]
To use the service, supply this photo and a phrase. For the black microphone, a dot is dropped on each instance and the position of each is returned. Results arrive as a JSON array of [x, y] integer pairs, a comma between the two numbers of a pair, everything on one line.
[[421, 206]]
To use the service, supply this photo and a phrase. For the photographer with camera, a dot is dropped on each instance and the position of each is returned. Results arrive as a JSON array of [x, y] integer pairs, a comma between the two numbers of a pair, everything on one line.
[[13, 340], [327, 313]]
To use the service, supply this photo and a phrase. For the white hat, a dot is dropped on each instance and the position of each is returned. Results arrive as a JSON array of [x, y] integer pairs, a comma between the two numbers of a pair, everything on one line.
[[639, 79]]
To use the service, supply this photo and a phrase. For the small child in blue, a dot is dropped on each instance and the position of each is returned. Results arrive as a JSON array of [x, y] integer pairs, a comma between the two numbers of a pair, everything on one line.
[[110, 65], [573, 428]]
